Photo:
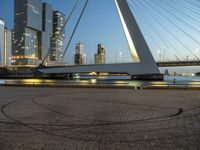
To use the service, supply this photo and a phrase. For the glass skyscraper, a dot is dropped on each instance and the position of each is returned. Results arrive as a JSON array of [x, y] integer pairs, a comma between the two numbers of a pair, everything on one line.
[[58, 37], [47, 30], [27, 36], [36, 31], [5, 44], [2, 27], [8, 47]]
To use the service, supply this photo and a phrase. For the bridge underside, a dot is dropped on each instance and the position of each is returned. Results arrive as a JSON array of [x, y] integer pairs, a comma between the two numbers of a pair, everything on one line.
[[133, 69], [178, 63]]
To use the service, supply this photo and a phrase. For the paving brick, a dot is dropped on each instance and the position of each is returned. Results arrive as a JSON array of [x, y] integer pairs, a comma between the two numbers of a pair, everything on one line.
[[98, 119]]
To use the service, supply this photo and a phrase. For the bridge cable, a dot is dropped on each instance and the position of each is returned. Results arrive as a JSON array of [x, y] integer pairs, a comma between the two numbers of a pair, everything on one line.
[[62, 29], [153, 30], [198, 42], [161, 37], [157, 20], [194, 4], [197, 1], [180, 11], [72, 35], [175, 16], [157, 12], [187, 8]]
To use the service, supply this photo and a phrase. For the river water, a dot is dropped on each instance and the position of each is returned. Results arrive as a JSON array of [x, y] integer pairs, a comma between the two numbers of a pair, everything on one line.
[[193, 81]]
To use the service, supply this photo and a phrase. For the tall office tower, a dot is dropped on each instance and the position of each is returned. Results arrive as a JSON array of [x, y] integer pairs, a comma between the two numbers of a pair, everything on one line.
[[2, 27], [7, 47], [58, 37], [47, 30], [78, 57], [27, 32], [5, 44], [100, 56]]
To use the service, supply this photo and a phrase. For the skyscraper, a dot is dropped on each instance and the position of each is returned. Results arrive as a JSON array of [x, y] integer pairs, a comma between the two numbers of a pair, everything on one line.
[[27, 32], [36, 31], [47, 30], [7, 47], [58, 37], [5, 44], [2, 27], [79, 57], [99, 58]]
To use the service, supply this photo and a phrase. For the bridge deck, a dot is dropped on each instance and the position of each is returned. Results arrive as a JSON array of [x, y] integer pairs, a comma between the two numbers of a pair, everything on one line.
[[178, 63]]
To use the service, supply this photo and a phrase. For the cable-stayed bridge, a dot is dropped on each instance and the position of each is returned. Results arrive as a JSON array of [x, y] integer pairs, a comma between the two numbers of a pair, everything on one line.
[[178, 63], [185, 23]]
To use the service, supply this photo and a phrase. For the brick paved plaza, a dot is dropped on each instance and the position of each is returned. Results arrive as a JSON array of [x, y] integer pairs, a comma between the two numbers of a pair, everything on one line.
[[98, 119]]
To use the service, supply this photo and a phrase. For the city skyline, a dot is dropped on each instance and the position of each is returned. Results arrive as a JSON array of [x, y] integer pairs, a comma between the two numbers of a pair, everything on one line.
[[109, 32], [100, 74]]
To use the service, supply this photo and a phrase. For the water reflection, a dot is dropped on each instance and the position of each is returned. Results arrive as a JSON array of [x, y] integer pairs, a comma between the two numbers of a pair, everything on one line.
[[120, 81]]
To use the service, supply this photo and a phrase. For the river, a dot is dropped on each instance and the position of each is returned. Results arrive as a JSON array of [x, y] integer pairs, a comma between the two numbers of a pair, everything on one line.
[[105, 81]]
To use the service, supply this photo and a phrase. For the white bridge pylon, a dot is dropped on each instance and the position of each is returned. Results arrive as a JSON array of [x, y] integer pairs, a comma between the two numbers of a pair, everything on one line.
[[143, 61]]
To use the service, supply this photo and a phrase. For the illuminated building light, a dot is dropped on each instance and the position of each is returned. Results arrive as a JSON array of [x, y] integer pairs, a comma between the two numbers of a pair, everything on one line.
[[23, 57], [2, 22], [5, 46]]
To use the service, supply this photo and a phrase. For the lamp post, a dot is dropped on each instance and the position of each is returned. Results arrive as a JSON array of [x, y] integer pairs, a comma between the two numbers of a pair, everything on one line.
[[120, 57], [72, 57], [159, 55], [84, 58], [197, 51]]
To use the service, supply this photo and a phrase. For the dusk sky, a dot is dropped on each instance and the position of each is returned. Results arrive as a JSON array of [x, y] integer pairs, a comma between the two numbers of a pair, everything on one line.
[[100, 24]]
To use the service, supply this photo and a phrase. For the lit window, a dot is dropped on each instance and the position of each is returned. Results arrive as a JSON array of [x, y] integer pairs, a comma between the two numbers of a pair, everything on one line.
[[17, 14], [26, 34]]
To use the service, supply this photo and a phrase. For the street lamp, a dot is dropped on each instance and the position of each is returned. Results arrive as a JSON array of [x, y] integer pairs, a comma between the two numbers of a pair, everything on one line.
[[197, 51], [187, 58], [159, 55], [163, 48], [72, 57], [120, 56], [84, 58]]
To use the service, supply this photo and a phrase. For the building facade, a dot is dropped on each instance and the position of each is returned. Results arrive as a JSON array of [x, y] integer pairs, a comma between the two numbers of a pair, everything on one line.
[[37, 30], [2, 27], [79, 54], [7, 47], [47, 30], [5, 44], [27, 33], [100, 58], [58, 37]]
